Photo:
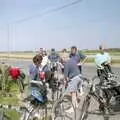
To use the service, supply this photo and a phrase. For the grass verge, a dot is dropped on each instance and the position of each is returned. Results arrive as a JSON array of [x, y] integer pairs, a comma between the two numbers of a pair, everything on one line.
[[10, 114], [114, 61]]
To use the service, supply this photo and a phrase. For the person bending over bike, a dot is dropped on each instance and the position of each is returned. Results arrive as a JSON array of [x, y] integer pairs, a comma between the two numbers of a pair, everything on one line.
[[38, 66], [37, 76], [35, 67], [103, 61]]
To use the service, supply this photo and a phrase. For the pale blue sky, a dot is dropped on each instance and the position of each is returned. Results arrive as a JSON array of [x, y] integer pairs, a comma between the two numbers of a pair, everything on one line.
[[86, 25]]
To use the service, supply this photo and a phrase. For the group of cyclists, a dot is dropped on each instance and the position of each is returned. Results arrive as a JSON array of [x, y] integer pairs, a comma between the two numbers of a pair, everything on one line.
[[44, 68], [71, 67]]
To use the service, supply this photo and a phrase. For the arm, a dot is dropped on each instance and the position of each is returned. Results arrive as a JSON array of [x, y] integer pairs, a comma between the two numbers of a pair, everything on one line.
[[83, 61], [82, 58], [32, 73], [49, 57], [66, 72]]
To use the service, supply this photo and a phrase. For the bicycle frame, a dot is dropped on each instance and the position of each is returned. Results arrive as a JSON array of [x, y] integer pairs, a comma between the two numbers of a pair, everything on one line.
[[104, 102], [92, 93]]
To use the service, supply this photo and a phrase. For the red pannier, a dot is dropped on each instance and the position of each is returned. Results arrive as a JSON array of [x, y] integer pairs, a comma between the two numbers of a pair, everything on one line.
[[42, 75], [14, 72]]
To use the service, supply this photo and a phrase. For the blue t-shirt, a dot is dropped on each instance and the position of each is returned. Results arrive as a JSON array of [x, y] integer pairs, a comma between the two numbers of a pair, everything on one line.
[[54, 57], [33, 72], [71, 69], [78, 57]]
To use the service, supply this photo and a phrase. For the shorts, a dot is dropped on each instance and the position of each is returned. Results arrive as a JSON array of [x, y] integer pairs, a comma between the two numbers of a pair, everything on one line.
[[74, 84]]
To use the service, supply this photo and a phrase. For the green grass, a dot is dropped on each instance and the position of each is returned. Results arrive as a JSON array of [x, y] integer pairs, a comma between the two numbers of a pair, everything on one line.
[[14, 91], [11, 114], [29, 56], [14, 101], [114, 61], [117, 61], [9, 100], [89, 60]]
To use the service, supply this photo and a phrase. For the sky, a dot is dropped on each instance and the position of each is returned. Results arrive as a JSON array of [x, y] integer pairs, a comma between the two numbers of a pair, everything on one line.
[[86, 24]]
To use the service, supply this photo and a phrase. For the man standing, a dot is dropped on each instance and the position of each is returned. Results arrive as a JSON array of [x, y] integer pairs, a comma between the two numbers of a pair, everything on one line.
[[53, 57], [78, 57], [72, 79]]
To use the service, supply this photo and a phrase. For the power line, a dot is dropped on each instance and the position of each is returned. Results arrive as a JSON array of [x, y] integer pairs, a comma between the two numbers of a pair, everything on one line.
[[50, 11]]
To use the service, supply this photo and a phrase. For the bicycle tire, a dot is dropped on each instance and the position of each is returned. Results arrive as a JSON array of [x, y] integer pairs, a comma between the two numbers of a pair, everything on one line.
[[55, 96], [85, 107], [84, 110], [60, 107], [25, 115], [30, 115]]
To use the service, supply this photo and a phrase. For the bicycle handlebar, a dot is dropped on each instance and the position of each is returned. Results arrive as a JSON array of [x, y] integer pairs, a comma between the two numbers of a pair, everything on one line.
[[85, 78]]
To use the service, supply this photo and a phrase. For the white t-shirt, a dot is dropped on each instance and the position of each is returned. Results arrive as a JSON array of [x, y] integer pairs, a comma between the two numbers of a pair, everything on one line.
[[101, 58], [45, 61], [107, 56]]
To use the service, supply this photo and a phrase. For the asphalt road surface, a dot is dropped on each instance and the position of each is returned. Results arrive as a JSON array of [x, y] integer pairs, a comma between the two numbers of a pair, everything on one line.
[[88, 70]]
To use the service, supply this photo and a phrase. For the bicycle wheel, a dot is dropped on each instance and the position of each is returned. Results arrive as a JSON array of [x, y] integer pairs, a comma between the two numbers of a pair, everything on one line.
[[55, 95], [63, 109], [34, 114], [25, 114], [21, 85], [84, 110]]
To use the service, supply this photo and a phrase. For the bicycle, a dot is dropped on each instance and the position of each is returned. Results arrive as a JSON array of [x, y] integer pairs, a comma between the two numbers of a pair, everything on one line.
[[63, 105], [61, 109], [55, 81], [102, 92], [37, 103]]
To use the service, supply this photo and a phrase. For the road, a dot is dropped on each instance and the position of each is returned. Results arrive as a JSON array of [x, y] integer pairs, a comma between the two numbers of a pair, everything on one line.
[[88, 70]]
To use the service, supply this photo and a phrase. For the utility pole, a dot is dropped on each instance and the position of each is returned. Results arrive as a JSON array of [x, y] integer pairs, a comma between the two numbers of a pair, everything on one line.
[[8, 39]]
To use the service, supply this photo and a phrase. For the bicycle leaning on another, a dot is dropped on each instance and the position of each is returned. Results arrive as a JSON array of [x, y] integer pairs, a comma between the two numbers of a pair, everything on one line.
[[36, 104], [106, 93], [63, 108]]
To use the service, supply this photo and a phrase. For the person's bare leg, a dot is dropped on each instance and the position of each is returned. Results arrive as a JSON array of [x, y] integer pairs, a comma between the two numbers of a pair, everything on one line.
[[74, 99]]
